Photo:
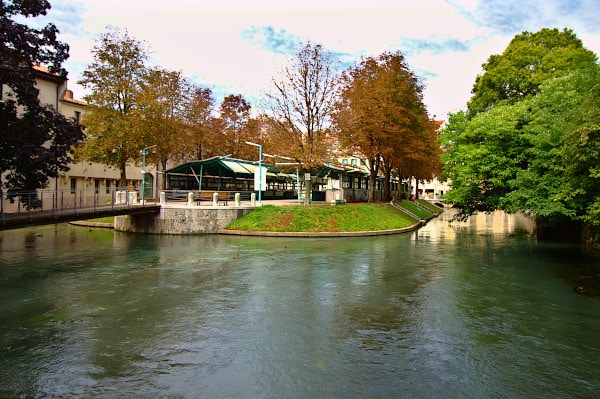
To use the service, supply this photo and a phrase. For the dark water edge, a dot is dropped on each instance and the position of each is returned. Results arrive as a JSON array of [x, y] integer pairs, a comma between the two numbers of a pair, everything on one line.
[[585, 237], [479, 309]]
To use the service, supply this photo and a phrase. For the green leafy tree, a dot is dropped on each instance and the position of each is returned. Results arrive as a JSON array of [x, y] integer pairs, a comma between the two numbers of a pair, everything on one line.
[[115, 80], [483, 155], [529, 60], [562, 181], [536, 152], [35, 140]]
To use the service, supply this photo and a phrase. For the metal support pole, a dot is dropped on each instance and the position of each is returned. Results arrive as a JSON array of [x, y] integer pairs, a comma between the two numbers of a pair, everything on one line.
[[259, 169], [144, 152]]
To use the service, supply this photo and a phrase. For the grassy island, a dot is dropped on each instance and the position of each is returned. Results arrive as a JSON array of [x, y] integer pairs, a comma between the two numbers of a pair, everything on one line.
[[325, 218]]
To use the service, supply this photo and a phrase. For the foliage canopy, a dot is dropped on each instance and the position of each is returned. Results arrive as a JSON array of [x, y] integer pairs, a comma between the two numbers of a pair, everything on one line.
[[529, 60], [115, 79], [380, 114], [35, 140], [538, 151]]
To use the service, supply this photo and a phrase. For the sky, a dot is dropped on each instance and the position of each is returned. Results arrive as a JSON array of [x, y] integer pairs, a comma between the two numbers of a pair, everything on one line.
[[239, 46]]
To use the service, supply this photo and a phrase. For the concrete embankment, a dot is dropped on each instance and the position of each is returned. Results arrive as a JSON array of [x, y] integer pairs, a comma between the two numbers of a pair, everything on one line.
[[320, 234], [177, 219]]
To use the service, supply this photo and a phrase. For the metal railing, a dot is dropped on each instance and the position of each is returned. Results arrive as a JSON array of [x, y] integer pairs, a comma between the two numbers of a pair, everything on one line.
[[28, 202], [204, 197]]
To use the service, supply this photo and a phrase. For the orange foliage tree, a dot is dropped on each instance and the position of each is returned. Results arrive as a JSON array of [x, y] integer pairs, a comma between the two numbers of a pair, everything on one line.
[[234, 114], [423, 161], [199, 123], [381, 116]]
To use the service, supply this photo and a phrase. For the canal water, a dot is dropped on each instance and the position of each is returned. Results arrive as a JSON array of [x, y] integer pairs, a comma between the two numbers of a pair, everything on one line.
[[464, 310]]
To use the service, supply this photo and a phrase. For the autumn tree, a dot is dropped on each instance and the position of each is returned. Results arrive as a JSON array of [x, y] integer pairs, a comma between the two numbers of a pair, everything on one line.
[[380, 115], [114, 79], [423, 162], [234, 114], [161, 113], [256, 130], [35, 140], [199, 123], [301, 103]]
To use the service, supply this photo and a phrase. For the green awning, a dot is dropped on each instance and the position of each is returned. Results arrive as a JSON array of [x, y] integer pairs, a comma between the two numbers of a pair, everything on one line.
[[238, 168]]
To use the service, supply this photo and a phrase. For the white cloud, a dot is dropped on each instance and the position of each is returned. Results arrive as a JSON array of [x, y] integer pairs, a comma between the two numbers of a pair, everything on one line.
[[445, 41]]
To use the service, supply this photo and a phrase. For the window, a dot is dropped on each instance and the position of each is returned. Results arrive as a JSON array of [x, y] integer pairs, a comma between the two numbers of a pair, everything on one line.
[[107, 186], [96, 186], [353, 161], [73, 185], [344, 161], [77, 116]]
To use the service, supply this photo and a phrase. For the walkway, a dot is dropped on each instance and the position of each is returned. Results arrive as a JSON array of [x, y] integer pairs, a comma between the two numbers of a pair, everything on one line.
[[35, 218]]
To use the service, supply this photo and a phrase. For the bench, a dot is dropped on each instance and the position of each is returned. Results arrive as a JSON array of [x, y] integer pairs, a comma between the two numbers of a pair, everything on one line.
[[224, 196], [177, 195]]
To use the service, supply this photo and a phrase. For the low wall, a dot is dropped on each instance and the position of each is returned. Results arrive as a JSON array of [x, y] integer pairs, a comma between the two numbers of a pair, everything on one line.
[[353, 195], [181, 220]]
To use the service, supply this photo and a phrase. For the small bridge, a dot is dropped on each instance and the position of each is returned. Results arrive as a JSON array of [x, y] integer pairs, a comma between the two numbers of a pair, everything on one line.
[[34, 218]]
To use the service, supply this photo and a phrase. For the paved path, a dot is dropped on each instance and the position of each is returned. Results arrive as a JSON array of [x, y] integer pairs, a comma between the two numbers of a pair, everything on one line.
[[35, 218]]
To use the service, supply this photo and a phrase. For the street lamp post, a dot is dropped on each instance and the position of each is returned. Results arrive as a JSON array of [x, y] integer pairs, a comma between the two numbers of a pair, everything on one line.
[[144, 153], [259, 169]]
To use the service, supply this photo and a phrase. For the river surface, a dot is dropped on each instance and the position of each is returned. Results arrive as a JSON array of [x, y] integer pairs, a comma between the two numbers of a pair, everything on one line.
[[469, 310]]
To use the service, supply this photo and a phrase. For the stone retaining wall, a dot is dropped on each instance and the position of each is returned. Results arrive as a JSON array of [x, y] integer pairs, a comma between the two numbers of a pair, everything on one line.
[[181, 220]]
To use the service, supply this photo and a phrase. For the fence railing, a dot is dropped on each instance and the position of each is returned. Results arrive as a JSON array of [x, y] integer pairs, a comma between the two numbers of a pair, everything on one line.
[[205, 197], [27, 202]]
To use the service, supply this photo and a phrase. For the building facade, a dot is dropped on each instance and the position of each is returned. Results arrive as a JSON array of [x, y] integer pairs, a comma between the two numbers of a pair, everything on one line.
[[85, 183], [433, 189]]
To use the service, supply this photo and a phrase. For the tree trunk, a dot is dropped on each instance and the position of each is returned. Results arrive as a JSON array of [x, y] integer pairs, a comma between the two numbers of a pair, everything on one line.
[[307, 191], [416, 189], [387, 185], [371, 191], [373, 171], [123, 178], [161, 181]]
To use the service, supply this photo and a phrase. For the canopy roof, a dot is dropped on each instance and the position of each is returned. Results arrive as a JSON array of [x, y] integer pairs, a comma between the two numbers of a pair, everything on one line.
[[328, 168], [226, 167], [231, 167]]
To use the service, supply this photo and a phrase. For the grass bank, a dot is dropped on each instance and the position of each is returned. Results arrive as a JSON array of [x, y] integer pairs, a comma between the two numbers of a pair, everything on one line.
[[107, 219], [104, 222], [434, 209], [324, 218], [423, 211]]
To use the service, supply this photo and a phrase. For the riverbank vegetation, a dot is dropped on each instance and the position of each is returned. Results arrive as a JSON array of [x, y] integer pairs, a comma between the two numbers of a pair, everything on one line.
[[417, 209], [325, 218], [314, 112], [530, 139], [106, 219], [36, 140]]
